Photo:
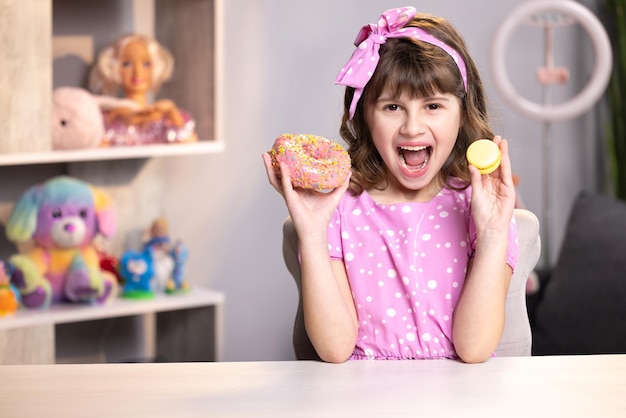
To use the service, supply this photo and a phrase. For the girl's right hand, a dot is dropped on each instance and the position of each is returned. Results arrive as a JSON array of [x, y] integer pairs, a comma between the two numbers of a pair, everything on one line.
[[310, 210]]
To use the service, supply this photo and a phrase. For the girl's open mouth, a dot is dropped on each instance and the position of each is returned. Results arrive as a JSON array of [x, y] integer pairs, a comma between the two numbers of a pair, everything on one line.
[[414, 158]]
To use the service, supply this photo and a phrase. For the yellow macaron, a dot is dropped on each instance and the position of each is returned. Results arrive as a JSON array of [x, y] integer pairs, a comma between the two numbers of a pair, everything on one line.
[[485, 155]]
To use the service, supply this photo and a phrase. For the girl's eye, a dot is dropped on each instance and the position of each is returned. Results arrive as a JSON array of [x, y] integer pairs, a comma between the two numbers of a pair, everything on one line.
[[56, 213], [392, 107], [147, 64], [126, 64], [433, 106]]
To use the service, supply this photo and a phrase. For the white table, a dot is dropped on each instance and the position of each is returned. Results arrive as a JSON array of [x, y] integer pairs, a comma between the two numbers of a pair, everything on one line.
[[186, 326], [567, 386]]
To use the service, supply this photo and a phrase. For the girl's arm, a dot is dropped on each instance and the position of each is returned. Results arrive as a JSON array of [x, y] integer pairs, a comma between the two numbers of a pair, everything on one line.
[[478, 320], [329, 312]]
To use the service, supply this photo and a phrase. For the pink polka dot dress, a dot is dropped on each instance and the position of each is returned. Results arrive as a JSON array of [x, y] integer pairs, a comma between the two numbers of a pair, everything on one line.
[[406, 265]]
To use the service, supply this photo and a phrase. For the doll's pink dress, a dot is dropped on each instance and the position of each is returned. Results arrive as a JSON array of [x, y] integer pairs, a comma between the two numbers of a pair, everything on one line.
[[406, 264], [157, 132]]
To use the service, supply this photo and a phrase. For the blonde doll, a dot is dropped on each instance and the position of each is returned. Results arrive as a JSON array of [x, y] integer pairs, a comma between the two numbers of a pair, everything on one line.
[[135, 66]]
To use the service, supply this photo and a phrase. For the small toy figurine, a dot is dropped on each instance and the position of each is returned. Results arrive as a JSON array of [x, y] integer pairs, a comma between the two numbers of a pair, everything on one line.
[[109, 263], [8, 298], [138, 65], [177, 284], [169, 260], [136, 269], [159, 244]]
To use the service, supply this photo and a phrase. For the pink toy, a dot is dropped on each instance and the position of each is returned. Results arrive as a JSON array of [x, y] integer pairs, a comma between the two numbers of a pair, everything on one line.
[[62, 217], [76, 119]]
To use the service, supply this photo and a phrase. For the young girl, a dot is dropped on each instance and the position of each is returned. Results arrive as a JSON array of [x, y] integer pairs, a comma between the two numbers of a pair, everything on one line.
[[136, 65], [411, 258]]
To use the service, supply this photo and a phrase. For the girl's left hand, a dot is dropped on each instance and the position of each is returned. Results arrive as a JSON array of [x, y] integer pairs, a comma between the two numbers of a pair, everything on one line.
[[493, 195]]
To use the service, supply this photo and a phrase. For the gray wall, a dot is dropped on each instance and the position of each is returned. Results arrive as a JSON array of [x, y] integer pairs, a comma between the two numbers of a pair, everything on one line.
[[281, 59]]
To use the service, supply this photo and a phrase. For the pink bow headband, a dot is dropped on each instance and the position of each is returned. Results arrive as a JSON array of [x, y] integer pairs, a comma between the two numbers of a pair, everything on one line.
[[360, 68]]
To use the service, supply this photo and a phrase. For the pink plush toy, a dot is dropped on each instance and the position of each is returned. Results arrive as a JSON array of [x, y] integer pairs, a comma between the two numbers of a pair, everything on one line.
[[76, 119], [62, 217]]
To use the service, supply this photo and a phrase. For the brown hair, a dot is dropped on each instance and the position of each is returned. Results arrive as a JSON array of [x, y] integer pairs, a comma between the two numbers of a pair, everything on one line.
[[418, 69]]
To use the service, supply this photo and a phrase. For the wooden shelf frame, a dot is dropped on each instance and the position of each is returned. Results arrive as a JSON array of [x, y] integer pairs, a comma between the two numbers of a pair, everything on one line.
[[31, 336], [28, 125], [113, 153]]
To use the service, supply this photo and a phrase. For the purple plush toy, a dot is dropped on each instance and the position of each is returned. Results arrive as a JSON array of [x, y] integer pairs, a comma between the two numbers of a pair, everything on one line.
[[62, 217]]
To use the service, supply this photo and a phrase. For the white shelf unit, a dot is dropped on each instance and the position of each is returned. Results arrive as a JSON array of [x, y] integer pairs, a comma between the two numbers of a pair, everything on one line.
[[26, 27], [184, 327], [112, 153]]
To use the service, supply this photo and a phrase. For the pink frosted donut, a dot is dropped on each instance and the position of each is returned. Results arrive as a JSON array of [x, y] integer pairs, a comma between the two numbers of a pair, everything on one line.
[[314, 162]]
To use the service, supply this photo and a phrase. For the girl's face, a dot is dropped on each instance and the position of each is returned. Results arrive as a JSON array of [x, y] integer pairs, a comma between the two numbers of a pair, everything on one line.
[[136, 68], [414, 137]]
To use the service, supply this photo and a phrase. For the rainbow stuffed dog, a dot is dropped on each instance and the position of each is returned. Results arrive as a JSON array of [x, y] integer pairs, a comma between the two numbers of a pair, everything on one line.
[[62, 217]]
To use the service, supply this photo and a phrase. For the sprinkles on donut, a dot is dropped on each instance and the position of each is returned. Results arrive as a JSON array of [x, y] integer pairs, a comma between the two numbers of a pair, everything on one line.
[[314, 162]]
